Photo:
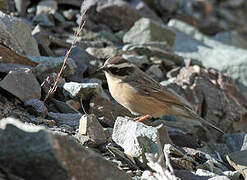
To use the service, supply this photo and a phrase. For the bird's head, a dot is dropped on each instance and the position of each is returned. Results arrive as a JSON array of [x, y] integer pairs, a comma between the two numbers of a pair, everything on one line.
[[118, 67]]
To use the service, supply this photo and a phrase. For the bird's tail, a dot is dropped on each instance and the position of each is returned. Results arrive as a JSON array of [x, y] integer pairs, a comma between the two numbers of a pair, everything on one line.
[[196, 116]]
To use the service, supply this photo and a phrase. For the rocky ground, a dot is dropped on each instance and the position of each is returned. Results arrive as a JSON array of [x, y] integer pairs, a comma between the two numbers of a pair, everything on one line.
[[197, 48]]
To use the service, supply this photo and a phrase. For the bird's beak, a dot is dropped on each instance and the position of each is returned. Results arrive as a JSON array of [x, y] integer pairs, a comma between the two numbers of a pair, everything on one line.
[[102, 68]]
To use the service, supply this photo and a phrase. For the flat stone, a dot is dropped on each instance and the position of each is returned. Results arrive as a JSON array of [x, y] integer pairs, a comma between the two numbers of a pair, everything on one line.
[[236, 142], [102, 53], [81, 59], [146, 30], [21, 84], [90, 127], [36, 153], [136, 138], [17, 35], [107, 111], [81, 90], [36, 107], [123, 14], [47, 65], [43, 20], [64, 107], [46, 6], [71, 119]]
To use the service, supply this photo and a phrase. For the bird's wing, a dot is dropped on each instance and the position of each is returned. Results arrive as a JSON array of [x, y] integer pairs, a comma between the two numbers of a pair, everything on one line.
[[149, 87]]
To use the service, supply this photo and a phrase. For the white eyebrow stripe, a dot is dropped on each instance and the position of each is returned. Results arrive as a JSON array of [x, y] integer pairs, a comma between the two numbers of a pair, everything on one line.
[[122, 65]]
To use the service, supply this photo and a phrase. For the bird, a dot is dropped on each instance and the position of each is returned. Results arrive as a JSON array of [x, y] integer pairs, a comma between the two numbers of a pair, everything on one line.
[[142, 95]]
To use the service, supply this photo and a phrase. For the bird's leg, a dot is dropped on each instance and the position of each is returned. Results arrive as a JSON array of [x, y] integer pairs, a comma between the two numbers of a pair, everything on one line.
[[142, 118]]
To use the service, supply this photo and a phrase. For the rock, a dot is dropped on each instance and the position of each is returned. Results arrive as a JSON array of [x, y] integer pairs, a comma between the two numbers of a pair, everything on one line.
[[236, 142], [43, 40], [35, 153], [4, 6], [182, 139], [208, 174], [123, 14], [5, 68], [21, 84], [185, 174], [82, 90], [49, 81], [91, 133], [163, 135], [71, 119], [110, 36], [63, 107], [16, 35], [76, 3], [213, 95], [36, 107], [238, 161], [9, 56], [107, 111], [43, 20], [211, 52], [122, 156], [102, 53], [155, 72], [48, 65], [136, 138], [81, 59], [46, 6], [233, 175], [138, 60], [146, 30], [70, 14]]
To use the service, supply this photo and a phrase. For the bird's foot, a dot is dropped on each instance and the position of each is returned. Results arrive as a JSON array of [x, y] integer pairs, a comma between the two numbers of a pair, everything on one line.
[[142, 118]]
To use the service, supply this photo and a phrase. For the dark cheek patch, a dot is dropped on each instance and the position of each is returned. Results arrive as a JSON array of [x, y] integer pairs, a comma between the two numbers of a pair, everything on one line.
[[121, 71]]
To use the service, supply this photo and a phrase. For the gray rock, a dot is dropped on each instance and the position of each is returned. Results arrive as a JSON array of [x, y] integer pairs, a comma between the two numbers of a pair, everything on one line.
[[70, 14], [48, 65], [43, 20], [185, 174], [110, 36], [91, 133], [146, 30], [233, 175], [138, 60], [107, 111], [81, 90], [210, 175], [42, 37], [46, 6], [102, 53], [35, 153], [236, 142], [136, 138], [203, 172], [232, 38], [16, 34], [7, 67], [62, 107], [36, 107], [82, 59], [122, 13], [21, 84], [191, 43], [71, 119], [155, 72]]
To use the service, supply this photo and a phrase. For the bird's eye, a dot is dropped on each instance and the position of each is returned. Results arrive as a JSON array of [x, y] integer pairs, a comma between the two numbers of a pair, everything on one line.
[[121, 71]]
